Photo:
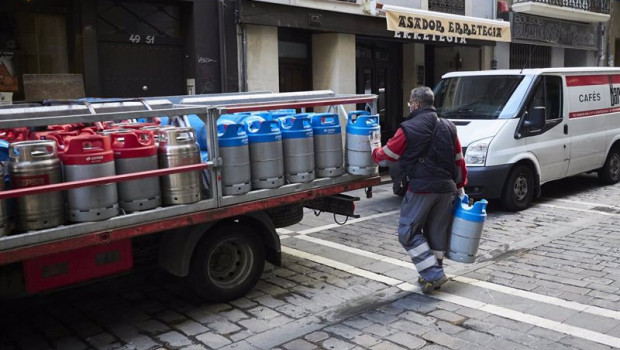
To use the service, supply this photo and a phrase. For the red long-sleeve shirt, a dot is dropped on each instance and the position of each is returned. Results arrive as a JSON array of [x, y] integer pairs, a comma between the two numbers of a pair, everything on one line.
[[395, 148]]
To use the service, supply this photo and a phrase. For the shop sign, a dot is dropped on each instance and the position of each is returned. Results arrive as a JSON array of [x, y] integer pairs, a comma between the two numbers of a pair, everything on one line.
[[420, 22], [553, 32], [426, 37]]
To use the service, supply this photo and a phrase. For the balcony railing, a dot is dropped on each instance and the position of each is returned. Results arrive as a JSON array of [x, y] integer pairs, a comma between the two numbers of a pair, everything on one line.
[[598, 6]]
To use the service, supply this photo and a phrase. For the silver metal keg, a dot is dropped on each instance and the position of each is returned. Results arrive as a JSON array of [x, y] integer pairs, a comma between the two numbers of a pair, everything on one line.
[[136, 151], [89, 157], [36, 163], [178, 147]]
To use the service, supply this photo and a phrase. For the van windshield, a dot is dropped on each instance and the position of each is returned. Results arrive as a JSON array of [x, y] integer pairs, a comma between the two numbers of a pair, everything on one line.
[[476, 97]]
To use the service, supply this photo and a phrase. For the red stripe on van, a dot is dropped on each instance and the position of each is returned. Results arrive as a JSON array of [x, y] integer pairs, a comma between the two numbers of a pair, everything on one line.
[[593, 112], [583, 80], [615, 79]]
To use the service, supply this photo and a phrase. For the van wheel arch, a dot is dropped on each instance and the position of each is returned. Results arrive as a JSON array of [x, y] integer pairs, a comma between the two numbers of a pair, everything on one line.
[[609, 173], [521, 187]]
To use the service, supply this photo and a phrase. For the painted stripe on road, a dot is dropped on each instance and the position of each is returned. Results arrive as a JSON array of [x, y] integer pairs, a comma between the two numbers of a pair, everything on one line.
[[466, 302], [594, 310], [577, 209]]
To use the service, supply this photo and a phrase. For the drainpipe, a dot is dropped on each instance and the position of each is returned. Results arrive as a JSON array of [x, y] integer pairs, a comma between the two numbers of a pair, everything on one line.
[[222, 44], [242, 54]]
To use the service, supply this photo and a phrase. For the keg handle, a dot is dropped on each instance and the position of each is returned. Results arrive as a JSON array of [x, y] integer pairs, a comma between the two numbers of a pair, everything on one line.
[[181, 135], [38, 149]]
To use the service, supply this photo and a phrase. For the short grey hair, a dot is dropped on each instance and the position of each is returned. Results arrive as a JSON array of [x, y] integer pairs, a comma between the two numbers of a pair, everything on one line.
[[424, 95]]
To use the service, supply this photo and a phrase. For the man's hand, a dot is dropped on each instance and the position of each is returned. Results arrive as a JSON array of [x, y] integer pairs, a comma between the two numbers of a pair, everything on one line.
[[374, 140], [461, 192]]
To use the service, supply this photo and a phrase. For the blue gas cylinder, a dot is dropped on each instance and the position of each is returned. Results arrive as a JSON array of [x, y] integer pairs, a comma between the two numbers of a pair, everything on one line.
[[358, 158], [298, 148], [201, 131], [4, 150], [266, 153], [328, 155], [467, 225], [233, 145]]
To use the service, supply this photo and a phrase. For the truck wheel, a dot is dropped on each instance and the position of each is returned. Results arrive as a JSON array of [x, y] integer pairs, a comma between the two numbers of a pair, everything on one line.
[[519, 189], [610, 172], [227, 263]]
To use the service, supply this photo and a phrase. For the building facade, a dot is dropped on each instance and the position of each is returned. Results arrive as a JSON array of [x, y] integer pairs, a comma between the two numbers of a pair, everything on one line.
[[555, 33], [134, 48]]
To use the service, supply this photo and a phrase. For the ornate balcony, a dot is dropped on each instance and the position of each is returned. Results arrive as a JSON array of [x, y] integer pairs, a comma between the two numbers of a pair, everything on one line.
[[589, 11]]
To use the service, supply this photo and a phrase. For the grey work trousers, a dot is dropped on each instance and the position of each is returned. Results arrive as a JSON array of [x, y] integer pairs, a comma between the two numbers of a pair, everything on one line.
[[423, 226]]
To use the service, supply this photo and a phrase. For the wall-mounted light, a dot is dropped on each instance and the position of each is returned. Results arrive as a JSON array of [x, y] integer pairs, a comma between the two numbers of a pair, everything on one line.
[[494, 63], [458, 61]]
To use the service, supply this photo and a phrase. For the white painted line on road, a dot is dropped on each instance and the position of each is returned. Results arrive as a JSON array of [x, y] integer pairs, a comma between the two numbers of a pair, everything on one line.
[[594, 310], [466, 302], [341, 266], [353, 221], [586, 203], [598, 212], [355, 251]]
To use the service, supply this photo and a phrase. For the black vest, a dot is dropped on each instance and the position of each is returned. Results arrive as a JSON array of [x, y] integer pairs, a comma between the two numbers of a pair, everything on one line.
[[429, 161]]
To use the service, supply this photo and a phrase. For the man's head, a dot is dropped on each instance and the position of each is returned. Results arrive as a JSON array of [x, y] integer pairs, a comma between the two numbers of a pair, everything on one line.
[[420, 97]]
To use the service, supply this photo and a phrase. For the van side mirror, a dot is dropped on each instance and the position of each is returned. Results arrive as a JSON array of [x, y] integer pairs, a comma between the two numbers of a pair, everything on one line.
[[535, 118]]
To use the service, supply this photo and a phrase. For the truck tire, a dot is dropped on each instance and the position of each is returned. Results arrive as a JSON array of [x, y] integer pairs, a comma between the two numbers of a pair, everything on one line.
[[286, 215], [519, 189], [227, 263], [609, 174]]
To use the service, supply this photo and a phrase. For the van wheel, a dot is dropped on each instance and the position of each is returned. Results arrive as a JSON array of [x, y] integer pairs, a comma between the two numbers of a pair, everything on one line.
[[227, 263], [610, 172], [519, 189]]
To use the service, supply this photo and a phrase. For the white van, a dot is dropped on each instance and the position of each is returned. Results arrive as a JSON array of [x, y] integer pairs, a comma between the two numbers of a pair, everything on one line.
[[523, 128]]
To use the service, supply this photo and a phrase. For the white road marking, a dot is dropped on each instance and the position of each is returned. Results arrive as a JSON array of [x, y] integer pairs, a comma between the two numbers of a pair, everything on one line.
[[587, 203], [594, 310], [466, 302], [577, 209]]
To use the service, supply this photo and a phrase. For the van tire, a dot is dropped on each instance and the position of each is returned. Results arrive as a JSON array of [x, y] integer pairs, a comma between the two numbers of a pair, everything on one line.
[[227, 263], [609, 174], [519, 189]]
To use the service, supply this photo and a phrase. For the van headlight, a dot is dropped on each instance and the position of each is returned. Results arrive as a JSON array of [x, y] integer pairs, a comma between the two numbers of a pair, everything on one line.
[[476, 153]]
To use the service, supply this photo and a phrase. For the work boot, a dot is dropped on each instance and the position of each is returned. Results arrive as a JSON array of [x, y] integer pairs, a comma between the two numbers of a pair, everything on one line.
[[421, 280], [429, 286]]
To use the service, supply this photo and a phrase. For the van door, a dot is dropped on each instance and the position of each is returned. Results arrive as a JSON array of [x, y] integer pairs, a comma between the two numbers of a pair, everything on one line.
[[588, 111], [551, 143]]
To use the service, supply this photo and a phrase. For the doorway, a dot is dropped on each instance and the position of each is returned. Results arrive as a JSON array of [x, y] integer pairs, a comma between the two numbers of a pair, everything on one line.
[[378, 71], [140, 49]]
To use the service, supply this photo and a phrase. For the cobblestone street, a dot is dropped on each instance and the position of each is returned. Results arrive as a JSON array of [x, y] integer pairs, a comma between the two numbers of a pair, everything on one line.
[[545, 278]]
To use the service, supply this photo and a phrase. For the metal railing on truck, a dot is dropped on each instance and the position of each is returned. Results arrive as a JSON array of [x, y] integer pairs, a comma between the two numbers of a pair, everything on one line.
[[31, 244]]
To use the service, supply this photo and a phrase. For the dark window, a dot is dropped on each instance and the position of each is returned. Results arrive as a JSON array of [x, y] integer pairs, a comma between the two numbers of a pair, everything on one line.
[[548, 94], [529, 56], [456, 7], [138, 18]]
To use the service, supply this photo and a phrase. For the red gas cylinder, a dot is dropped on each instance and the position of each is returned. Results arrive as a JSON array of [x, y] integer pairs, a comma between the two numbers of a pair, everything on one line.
[[88, 157], [61, 138], [15, 134], [135, 151]]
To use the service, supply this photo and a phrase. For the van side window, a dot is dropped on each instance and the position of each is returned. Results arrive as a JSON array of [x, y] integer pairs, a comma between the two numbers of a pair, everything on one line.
[[548, 94]]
